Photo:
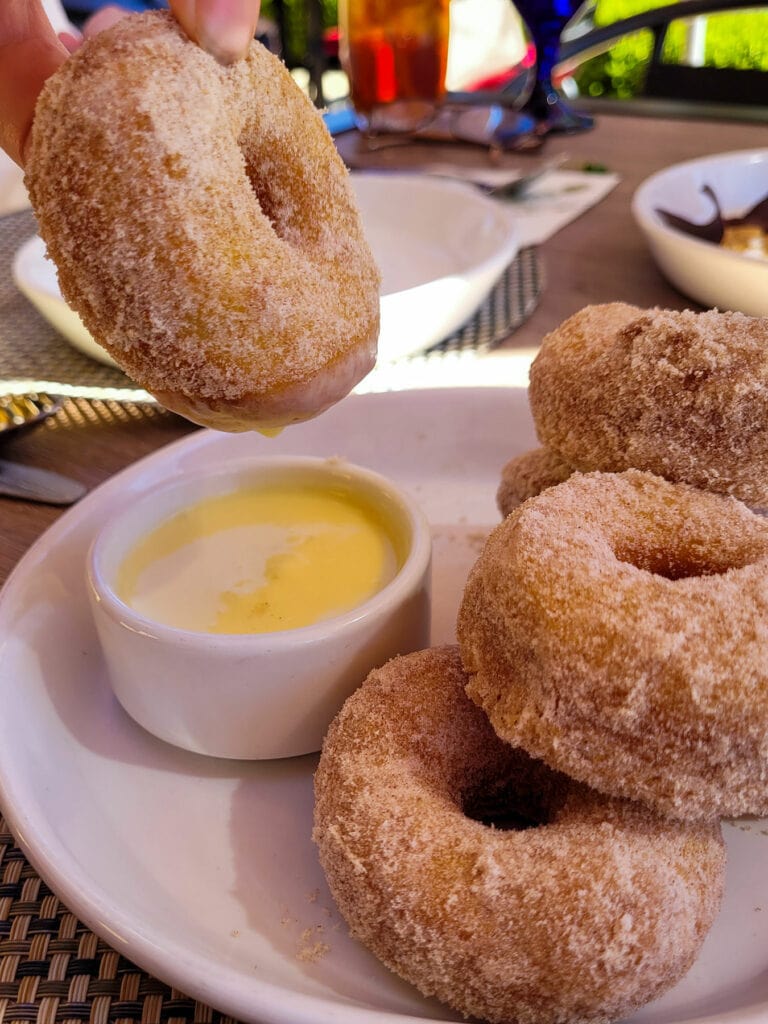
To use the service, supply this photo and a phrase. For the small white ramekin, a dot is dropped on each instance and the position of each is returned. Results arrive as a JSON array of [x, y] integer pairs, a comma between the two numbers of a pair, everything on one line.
[[264, 695]]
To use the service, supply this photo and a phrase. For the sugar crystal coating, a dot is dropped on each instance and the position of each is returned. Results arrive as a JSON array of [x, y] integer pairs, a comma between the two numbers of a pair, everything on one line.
[[680, 394], [597, 908], [616, 626], [203, 226], [527, 475]]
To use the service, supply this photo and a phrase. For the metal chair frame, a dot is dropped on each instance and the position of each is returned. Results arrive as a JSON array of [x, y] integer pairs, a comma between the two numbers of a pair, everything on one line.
[[675, 81]]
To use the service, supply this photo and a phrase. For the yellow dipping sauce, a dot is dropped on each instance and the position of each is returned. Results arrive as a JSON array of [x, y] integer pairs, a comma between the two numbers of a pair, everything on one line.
[[272, 557]]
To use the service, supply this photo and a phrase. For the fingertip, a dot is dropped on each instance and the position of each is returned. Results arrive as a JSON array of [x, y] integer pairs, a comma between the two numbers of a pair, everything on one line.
[[24, 68], [103, 19], [225, 28], [69, 41], [184, 12]]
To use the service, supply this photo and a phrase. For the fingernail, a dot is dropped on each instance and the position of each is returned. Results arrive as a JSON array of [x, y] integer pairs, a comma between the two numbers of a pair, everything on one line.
[[225, 29], [70, 41]]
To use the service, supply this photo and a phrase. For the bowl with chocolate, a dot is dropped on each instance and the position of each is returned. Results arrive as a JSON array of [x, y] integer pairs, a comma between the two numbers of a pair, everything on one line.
[[706, 224]]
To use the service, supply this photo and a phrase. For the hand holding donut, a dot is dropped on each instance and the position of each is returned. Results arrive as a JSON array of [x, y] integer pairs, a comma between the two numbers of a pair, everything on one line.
[[201, 221], [30, 52]]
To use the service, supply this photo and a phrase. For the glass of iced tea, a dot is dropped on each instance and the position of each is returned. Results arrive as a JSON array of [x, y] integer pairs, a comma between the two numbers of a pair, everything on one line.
[[395, 54]]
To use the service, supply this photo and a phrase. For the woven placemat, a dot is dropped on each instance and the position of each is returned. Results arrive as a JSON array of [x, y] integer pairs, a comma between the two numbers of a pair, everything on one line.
[[33, 356], [54, 970], [508, 305]]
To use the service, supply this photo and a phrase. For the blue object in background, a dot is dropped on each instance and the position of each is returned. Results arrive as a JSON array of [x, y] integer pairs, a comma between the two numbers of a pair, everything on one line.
[[546, 20], [340, 119], [78, 9]]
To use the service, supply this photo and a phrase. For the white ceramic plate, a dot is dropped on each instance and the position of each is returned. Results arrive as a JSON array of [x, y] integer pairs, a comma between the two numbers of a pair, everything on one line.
[[441, 246], [13, 194], [35, 276], [705, 271], [203, 871]]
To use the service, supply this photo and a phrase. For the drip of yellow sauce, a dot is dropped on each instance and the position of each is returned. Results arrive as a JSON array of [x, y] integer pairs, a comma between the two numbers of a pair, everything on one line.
[[273, 557]]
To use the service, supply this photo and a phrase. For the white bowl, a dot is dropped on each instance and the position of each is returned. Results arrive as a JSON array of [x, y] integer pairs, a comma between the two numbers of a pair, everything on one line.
[[441, 246], [257, 695], [704, 271], [35, 276]]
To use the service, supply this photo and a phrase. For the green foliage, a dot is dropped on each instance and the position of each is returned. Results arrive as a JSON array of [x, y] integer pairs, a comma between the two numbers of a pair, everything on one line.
[[296, 16], [737, 39]]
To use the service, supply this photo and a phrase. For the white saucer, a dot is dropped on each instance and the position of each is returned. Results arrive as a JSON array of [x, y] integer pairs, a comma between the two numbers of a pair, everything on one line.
[[203, 871], [441, 246]]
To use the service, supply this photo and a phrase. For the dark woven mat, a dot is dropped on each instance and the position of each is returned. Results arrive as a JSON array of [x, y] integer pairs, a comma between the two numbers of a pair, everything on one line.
[[33, 356], [54, 970], [508, 305]]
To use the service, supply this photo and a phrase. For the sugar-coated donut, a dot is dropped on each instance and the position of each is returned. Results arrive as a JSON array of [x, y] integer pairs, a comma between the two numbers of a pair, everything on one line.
[[616, 626], [527, 475], [204, 226], [680, 394], [583, 910]]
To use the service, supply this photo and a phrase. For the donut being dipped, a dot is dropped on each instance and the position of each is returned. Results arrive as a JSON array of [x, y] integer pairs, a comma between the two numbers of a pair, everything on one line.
[[683, 395], [616, 626], [204, 227], [583, 910]]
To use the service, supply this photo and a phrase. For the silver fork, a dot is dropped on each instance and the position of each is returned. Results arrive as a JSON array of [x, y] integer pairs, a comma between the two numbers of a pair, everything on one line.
[[493, 181]]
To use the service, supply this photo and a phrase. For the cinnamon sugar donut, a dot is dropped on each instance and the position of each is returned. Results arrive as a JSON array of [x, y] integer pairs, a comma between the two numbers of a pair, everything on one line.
[[680, 394], [616, 626], [204, 226], [582, 910], [527, 475]]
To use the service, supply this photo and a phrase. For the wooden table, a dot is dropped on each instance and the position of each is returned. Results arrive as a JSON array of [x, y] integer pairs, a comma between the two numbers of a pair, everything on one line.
[[599, 258]]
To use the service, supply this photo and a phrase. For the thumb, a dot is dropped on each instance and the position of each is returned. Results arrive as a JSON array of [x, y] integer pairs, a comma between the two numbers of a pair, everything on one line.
[[224, 28], [29, 54]]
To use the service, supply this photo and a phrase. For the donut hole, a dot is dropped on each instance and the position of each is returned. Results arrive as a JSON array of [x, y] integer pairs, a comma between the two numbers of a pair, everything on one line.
[[282, 198], [513, 804], [268, 202], [678, 563]]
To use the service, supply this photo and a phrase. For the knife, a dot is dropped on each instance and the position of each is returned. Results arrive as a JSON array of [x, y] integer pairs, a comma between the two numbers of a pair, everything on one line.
[[35, 484]]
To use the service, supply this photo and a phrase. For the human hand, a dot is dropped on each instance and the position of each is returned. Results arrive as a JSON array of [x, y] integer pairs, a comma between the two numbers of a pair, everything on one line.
[[224, 28], [103, 18], [30, 51]]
